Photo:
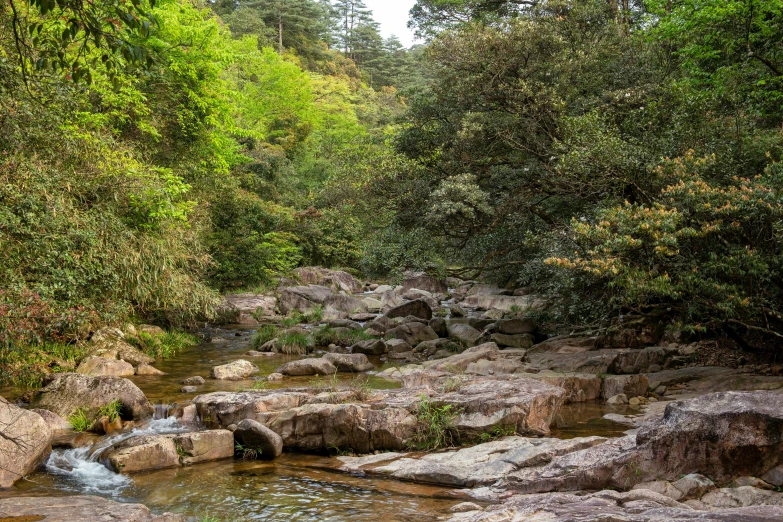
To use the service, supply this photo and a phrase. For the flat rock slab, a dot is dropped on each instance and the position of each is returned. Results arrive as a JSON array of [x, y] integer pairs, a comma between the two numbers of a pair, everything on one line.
[[611, 506], [722, 436], [387, 420], [480, 465], [69, 509]]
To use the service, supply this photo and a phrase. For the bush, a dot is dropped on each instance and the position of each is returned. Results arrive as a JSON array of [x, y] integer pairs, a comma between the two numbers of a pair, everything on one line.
[[294, 343], [163, 346], [263, 336], [709, 252]]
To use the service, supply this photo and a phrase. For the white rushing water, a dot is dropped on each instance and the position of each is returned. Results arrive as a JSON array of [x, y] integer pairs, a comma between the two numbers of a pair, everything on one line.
[[82, 471]]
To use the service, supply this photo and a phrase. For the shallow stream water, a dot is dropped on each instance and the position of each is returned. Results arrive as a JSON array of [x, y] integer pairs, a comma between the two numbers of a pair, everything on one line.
[[292, 488]]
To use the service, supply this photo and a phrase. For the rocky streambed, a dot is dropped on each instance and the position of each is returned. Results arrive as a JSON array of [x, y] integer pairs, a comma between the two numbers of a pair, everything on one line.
[[626, 427]]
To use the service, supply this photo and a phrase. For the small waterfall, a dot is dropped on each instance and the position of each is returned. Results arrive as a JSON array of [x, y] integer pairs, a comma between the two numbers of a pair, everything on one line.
[[162, 411], [82, 471]]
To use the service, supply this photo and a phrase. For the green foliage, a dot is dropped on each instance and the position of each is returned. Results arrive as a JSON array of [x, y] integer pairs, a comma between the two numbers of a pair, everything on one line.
[[708, 251], [263, 336], [163, 346], [79, 420], [112, 410], [294, 343], [326, 335], [246, 453], [436, 425]]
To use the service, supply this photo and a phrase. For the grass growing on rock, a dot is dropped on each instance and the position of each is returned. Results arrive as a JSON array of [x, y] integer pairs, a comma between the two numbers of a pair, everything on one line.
[[326, 335], [111, 410], [436, 425], [314, 315], [79, 420], [263, 336], [163, 346], [294, 343]]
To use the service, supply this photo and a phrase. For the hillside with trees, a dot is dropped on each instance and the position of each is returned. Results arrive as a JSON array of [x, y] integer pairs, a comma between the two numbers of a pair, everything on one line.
[[617, 157]]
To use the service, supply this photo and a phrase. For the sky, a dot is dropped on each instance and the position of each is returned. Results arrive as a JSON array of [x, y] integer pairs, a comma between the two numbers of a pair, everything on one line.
[[393, 17]]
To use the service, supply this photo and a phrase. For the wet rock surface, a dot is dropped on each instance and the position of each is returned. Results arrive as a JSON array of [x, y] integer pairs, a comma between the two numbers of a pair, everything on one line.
[[69, 509], [25, 440]]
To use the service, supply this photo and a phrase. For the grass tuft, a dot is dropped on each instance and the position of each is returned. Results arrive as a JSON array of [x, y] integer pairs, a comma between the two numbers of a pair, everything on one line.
[[79, 420], [436, 425], [263, 336]]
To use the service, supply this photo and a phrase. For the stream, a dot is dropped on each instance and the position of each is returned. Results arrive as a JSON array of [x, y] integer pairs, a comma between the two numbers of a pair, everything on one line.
[[294, 487]]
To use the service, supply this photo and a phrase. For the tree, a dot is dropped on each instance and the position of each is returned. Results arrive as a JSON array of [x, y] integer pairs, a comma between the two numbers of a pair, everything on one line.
[[294, 21], [74, 38], [353, 17]]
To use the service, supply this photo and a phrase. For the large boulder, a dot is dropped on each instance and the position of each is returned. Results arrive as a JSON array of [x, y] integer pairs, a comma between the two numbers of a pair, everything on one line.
[[424, 281], [517, 326], [418, 308], [255, 436], [337, 280], [412, 333], [567, 344], [78, 508], [341, 306], [513, 341], [250, 304], [25, 441], [67, 392], [580, 387], [302, 298], [349, 362], [629, 385], [304, 367], [149, 452], [390, 299], [369, 347], [233, 371], [100, 367], [464, 334]]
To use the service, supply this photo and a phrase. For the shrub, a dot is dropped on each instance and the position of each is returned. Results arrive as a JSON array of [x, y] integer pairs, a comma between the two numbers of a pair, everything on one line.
[[163, 346], [435, 429], [707, 252], [294, 343], [263, 336]]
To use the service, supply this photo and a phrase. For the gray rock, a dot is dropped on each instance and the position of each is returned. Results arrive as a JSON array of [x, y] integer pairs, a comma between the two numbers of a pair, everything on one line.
[[477, 466], [629, 385], [617, 400], [418, 308], [66, 392], [189, 389], [304, 367], [424, 281], [100, 367], [438, 325], [513, 341], [457, 311], [464, 334], [337, 280], [661, 487], [146, 369], [254, 435], [412, 333], [25, 441], [302, 298], [461, 361], [611, 506], [233, 371], [369, 347], [194, 381], [343, 305], [352, 362], [78, 508], [150, 452], [579, 387], [398, 346], [517, 326], [694, 486]]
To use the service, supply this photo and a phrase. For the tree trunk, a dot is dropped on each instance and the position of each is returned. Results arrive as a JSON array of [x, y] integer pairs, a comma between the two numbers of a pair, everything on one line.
[[280, 34]]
